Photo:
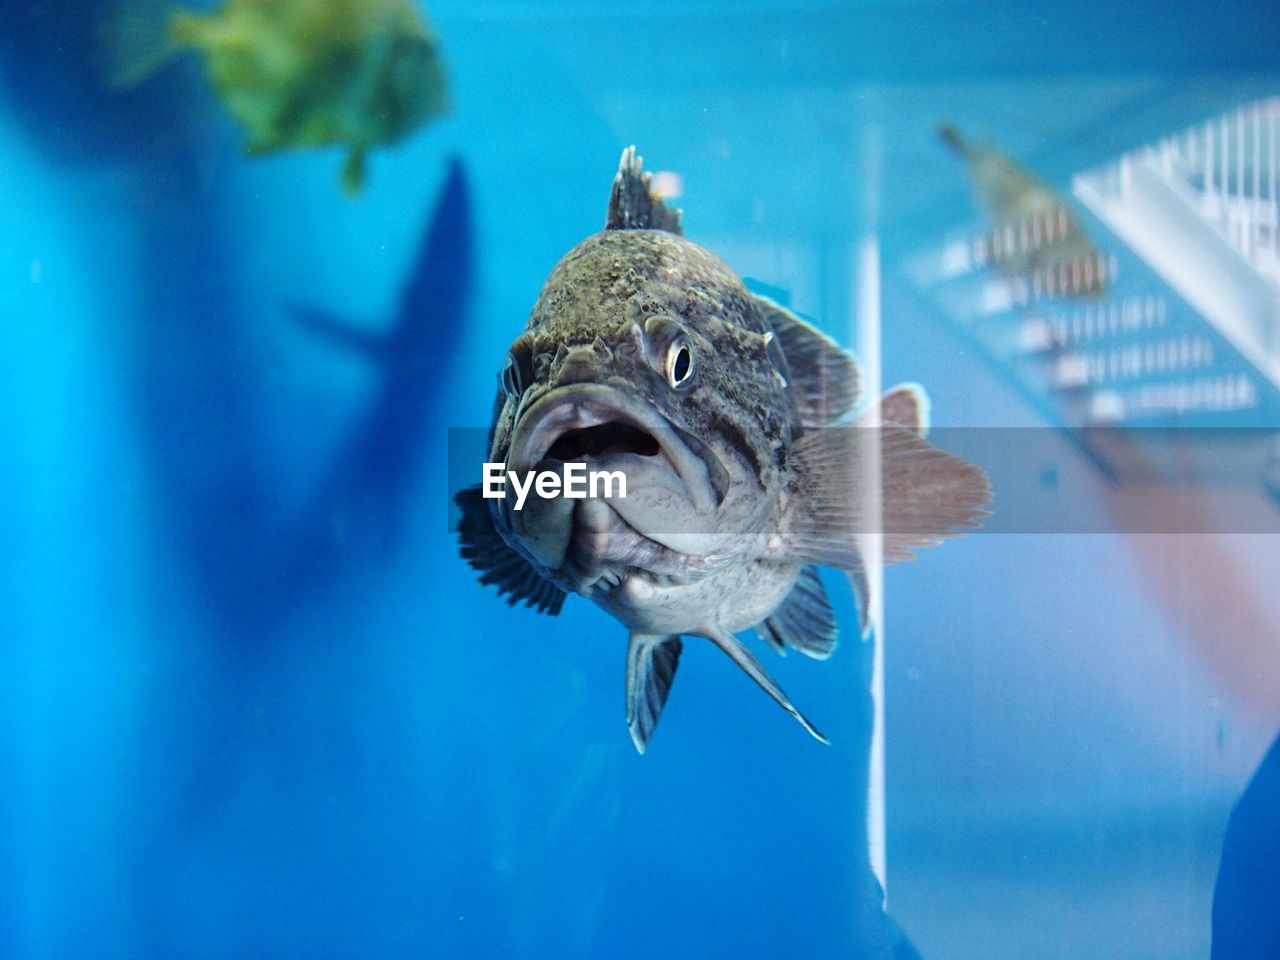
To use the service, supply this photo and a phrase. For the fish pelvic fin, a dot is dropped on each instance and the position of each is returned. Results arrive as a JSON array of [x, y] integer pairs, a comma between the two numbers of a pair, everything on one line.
[[486, 551], [651, 669], [804, 620], [142, 37], [632, 203], [753, 668], [927, 495], [860, 584]]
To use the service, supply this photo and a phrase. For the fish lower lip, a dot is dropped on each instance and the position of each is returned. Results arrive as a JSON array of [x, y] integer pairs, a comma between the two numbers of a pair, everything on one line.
[[605, 544]]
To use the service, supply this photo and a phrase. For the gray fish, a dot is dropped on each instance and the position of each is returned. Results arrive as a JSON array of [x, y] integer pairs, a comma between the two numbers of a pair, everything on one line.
[[730, 419]]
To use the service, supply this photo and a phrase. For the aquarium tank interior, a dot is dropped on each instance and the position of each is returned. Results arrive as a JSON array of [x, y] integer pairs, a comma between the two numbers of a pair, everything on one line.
[[936, 346]]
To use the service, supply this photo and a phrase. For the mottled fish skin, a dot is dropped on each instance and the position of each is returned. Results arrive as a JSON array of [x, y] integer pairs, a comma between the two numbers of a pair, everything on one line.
[[587, 327], [645, 352]]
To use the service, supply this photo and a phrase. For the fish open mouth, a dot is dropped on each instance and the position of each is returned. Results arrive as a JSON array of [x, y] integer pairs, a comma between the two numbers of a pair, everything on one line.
[[602, 440], [596, 423], [657, 521]]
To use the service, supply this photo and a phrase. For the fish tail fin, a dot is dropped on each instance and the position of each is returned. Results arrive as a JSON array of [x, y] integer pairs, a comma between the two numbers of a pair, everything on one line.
[[354, 172], [927, 495], [141, 37]]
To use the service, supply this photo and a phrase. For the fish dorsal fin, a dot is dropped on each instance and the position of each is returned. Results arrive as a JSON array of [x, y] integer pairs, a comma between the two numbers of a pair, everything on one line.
[[822, 375], [805, 619], [486, 551], [632, 202], [953, 138], [907, 405], [927, 495], [651, 668]]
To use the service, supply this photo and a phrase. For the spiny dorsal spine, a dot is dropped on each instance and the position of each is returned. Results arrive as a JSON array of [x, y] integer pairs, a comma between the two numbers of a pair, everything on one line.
[[632, 204]]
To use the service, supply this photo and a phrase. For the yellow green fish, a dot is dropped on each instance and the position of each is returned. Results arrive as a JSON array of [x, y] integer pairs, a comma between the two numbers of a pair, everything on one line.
[[1034, 235], [301, 73]]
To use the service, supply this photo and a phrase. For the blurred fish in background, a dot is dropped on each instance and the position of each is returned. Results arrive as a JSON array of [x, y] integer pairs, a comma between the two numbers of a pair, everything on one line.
[[54, 47], [254, 563], [297, 73], [1034, 240]]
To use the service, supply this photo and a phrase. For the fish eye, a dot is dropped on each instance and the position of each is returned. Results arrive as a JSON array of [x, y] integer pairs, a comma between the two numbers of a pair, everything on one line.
[[679, 363], [512, 381]]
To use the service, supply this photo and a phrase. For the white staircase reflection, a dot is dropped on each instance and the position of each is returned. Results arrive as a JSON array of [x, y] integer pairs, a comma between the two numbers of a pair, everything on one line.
[[1186, 240]]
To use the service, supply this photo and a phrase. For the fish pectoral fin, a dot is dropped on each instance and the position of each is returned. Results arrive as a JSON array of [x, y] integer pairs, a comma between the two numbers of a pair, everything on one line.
[[651, 668], [823, 376], [753, 668], [926, 496], [804, 620], [486, 551]]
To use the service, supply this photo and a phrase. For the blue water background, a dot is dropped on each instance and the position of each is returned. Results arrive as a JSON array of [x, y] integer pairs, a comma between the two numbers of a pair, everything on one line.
[[253, 704]]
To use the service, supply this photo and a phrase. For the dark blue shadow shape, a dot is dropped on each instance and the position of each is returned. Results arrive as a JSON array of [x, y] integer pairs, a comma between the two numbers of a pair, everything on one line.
[[1246, 900], [372, 478], [249, 565]]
